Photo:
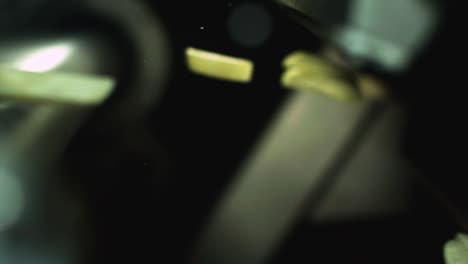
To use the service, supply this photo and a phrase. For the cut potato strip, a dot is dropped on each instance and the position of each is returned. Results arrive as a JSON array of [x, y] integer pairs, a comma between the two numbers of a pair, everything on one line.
[[307, 72], [219, 66], [297, 79], [54, 87]]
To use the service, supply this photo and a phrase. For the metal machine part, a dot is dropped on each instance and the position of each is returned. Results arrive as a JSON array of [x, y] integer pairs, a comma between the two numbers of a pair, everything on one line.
[[150, 57], [309, 148], [27, 62], [32, 139], [388, 34], [79, 54], [33, 136]]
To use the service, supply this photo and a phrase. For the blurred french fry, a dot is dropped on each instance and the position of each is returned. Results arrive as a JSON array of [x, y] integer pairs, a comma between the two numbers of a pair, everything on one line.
[[219, 66], [311, 63], [54, 87], [298, 79], [308, 72]]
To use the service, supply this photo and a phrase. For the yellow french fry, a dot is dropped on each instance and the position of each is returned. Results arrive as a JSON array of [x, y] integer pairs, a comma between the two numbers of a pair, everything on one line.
[[311, 63], [54, 87], [298, 79], [219, 66]]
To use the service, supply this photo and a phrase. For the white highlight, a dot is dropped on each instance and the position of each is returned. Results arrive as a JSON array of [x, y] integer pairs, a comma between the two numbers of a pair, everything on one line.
[[44, 59]]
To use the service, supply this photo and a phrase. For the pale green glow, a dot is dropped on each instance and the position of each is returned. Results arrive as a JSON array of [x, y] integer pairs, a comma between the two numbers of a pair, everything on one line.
[[54, 87], [44, 59], [11, 199], [456, 250]]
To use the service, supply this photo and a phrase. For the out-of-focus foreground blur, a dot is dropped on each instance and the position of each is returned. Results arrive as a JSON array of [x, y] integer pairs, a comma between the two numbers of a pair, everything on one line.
[[246, 132]]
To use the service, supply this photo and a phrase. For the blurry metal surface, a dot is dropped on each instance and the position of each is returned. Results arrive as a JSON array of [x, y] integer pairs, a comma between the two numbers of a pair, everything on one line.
[[32, 137], [272, 190], [324, 12], [86, 54], [375, 182], [27, 124], [389, 33], [386, 33], [35, 135], [151, 58]]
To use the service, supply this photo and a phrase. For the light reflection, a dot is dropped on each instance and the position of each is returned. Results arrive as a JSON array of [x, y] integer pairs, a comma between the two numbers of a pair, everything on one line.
[[44, 59], [11, 199]]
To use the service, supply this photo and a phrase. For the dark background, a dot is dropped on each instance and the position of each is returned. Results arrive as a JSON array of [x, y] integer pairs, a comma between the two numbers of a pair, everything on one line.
[[150, 187]]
